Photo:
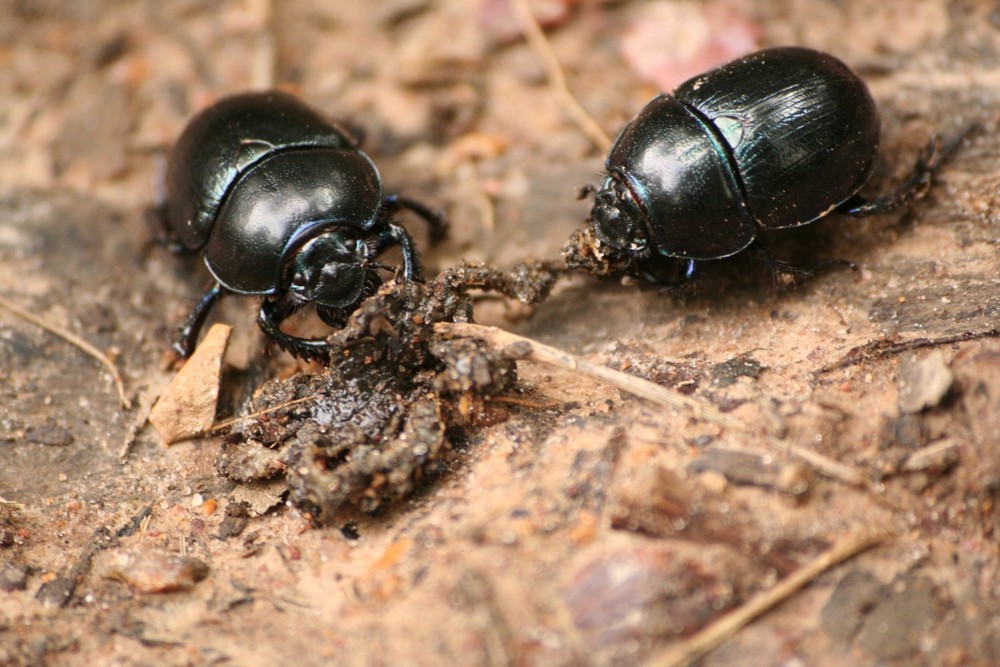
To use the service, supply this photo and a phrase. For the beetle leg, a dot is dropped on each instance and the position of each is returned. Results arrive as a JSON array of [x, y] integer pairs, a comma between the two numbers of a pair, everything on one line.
[[916, 184], [188, 335], [664, 271], [393, 234], [915, 187], [435, 221], [785, 273], [782, 271], [155, 218], [271, 315], [334, 318]]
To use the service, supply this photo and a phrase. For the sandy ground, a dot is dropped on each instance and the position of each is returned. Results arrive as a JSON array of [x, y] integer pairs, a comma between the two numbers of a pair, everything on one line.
[[587, 526]]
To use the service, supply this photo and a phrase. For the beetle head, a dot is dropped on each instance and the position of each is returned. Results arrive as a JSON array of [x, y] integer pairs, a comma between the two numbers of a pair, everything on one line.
[[619, 220], [329, 270]]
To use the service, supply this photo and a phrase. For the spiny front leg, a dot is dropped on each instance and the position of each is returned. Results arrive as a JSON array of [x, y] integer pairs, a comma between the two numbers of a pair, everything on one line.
[[271, 315], [188, 334], [393, 234], [436, 222]]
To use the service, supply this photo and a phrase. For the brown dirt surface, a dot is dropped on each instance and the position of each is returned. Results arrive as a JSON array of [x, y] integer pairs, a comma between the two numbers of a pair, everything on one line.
[[559, 520]]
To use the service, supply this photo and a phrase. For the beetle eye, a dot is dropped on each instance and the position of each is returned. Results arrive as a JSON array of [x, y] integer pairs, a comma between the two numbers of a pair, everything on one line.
[[351, 244], [298, 281]]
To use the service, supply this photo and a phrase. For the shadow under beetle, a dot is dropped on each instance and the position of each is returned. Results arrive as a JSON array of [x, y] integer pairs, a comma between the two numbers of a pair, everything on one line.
[[283, 205], [773, 140]]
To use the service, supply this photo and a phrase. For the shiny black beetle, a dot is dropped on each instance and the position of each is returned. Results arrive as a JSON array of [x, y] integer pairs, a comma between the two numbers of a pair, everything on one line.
[[773, 140], [285, 206]]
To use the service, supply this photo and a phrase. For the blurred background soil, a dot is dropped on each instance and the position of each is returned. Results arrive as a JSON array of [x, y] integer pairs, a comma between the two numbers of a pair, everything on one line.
[[588, 527]]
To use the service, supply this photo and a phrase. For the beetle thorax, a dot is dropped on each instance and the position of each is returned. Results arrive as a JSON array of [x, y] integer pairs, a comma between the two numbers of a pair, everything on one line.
[[329, 270], [619, 220]]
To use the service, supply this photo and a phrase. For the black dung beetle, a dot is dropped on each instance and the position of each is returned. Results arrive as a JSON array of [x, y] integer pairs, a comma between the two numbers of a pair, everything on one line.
[[773, 140], [285, 206]]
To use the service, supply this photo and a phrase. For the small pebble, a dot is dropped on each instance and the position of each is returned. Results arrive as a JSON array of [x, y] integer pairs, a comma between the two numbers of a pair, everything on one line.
[[13, 578], [151, 570], [923, 382]]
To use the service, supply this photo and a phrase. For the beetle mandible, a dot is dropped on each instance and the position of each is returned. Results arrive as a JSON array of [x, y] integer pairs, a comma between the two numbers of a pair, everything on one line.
[[773, 140], [283, 205]]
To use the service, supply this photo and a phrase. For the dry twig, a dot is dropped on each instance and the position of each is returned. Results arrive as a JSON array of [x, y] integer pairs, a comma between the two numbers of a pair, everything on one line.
[[144, 404], [73, 339], [520, 347], [884, 348], [940, 454], [263, 58], [702, 642], [824, 464], [526, 348], [557, 79], [236, 420]]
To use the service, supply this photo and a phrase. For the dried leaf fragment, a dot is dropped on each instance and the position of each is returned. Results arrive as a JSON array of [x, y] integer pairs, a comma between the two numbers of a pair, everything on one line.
[[187, 407]]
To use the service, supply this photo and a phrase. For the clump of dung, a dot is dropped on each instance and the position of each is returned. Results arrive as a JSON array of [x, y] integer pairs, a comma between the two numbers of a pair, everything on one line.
[[376, 421]]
